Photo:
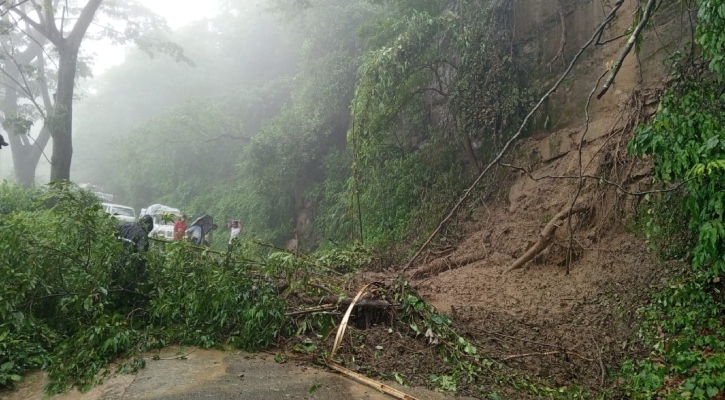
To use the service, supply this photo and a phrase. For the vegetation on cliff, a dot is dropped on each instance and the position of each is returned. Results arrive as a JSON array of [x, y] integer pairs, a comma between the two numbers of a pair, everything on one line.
[[359, 126], [686, 138]]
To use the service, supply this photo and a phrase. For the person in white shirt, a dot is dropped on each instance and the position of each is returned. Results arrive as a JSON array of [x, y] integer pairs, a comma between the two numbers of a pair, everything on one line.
[[235, 227]]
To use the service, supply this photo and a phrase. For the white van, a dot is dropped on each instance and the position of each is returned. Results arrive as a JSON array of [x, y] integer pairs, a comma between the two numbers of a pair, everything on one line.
[[123, 213], [164, 218]]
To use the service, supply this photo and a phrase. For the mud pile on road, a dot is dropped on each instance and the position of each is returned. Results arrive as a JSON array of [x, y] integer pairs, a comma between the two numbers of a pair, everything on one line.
[[569, 315]]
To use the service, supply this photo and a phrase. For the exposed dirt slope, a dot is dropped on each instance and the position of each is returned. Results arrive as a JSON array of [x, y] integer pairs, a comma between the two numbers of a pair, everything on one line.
[[566, 327], [566, 322]]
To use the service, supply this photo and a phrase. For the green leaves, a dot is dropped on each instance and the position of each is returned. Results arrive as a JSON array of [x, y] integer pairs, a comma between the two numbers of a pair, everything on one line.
[[445, 382], [65, 305], [687, 140], [711, 34], [18, 125]]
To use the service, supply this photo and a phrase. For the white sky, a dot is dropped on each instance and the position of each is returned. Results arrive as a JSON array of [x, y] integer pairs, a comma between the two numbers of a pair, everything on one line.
[[177, 13]]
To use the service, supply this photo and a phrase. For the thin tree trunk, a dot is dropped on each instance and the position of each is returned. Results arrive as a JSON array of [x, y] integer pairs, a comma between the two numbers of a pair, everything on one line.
[[545, 236], [60, 119], [473, 164], [25, 152]]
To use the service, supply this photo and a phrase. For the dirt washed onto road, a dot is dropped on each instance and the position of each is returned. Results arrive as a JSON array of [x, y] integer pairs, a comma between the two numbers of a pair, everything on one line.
[[185, 374], [570, 324]]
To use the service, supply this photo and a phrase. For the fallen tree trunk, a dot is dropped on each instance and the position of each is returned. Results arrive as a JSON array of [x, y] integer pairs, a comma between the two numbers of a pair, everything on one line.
[[346, 301], [323, 308], [337, 302], [446, 263], [545, 237]]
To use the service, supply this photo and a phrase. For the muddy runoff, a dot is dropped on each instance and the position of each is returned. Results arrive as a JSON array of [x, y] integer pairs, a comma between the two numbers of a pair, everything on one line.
[[190, 373]]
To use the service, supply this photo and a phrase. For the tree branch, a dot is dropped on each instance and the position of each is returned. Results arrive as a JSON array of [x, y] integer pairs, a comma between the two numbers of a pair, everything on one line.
[[430, 89], [46, 26], [11, 7], [547, 353], [545, 236], [562, 41], [627, 48], [598, 43], [598, 178], [81, 26], [506, 147]]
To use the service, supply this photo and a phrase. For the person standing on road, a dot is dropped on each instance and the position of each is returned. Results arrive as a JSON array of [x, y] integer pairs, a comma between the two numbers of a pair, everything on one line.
[[130, 268], [180, 228], [194, 233], [235, 227]]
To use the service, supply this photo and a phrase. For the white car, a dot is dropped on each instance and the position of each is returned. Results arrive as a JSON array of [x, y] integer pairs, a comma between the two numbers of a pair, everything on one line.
[[123, 213], [164, 218], [163, 231]]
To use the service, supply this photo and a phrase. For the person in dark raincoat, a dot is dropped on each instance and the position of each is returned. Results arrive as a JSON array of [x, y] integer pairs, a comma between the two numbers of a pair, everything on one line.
[[130, 268], [136, 234]]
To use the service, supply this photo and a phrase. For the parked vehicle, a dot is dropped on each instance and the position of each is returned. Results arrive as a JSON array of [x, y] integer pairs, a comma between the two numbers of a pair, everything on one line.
[[122, 213], [98, 191], [164, 218]]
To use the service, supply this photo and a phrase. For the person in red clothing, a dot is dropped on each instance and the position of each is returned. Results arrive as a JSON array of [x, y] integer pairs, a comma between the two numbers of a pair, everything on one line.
[[180, 228]]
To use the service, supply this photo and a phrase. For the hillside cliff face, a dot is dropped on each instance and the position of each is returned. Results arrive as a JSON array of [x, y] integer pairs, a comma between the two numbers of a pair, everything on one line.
[[537, 27], [578, 295]]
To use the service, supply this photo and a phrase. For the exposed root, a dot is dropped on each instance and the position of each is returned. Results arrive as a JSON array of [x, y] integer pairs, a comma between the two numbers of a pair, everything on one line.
[[446, 264], [545, 236]]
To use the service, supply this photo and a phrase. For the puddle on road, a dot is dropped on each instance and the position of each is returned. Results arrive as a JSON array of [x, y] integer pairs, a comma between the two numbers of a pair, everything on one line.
[[191, 373], [177, 370]]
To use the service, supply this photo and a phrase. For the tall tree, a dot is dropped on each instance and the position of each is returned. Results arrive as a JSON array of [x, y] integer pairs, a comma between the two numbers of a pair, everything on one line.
[[60, 117], [64, 26]]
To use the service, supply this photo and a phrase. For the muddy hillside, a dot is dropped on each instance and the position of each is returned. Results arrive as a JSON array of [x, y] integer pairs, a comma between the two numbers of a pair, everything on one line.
[[549, 273]]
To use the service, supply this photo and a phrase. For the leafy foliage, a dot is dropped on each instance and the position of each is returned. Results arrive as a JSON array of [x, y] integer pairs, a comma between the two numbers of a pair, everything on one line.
[[663, 221], [172, 155], [687, 140], [14, 198], [432, 88], [438, 92], [74, 298]]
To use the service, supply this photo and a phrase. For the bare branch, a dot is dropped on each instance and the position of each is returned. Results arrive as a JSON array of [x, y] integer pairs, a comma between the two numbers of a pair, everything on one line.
[[229, 136], [85, 19], [547, 353], [599, 179], [562, 41], [12, 7], [580, 182], [506, 147], [598, 43], [430, 89], [628, 47]]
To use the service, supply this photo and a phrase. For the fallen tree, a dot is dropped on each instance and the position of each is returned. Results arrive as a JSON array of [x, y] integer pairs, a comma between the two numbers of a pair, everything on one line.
[[545, 236]]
